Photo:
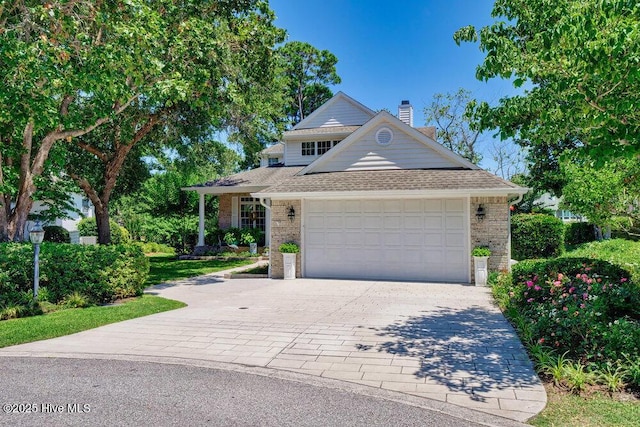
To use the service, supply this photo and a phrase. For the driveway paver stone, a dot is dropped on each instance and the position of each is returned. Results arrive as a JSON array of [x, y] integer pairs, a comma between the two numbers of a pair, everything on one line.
[[446, 342]]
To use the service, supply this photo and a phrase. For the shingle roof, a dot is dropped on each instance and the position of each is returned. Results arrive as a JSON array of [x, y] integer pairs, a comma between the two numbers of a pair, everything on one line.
[[259, 177], [393, 180], [330, 130], [277, 148], [430, 131]]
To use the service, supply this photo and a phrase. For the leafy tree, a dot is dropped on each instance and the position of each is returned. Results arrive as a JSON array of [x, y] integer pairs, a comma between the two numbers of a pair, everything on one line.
[[455, 128], [604, 193], [307, 72], [578, 61], [70, 67]]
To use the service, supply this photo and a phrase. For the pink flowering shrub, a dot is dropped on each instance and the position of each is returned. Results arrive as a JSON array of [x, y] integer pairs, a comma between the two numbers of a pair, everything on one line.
[[586, 307]]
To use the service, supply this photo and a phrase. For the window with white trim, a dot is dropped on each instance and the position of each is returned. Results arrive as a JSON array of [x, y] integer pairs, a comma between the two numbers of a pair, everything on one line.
[[252, 213], [323, 146], [273, 161], [312, 148], [309, 148]]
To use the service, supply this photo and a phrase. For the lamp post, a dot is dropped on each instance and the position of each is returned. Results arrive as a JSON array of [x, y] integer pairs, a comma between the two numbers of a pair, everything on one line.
[[36, 235]]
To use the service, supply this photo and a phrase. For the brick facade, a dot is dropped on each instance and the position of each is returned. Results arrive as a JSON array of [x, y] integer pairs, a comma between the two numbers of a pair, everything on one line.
[[494, 231], [284, 230]]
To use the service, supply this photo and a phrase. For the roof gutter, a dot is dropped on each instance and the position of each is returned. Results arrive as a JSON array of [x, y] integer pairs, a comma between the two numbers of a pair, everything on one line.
[[394, 194]]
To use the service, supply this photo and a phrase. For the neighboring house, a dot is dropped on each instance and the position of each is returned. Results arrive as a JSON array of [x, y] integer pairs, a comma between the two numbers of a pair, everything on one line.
[[552, 203], [367, 196], [84, 209]]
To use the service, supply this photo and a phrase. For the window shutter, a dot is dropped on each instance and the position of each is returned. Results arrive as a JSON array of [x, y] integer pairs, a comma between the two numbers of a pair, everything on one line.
[[234, 212]]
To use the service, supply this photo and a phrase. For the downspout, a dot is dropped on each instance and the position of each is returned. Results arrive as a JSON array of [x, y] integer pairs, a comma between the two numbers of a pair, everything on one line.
[[263, 202]]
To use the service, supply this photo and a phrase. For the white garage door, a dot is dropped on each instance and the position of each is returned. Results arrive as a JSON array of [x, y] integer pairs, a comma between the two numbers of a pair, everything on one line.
[[417, 240]]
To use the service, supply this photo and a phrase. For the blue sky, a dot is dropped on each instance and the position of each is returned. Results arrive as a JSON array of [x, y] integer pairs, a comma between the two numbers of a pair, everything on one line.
[[393, 50]]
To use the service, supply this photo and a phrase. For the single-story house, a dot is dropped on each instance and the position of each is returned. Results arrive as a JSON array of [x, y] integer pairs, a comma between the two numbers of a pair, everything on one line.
[[368, 196]]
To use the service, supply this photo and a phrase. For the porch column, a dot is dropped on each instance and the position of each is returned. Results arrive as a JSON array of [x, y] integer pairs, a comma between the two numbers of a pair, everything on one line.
[[201, 220]]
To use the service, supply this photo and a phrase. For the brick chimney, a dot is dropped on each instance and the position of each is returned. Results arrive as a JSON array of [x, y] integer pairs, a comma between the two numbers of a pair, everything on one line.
[[405, 112]]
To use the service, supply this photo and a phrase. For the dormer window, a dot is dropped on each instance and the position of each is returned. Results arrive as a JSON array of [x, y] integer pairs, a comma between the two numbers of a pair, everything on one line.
[[273, 161], [309, 148], [313, 148], [323, 146]]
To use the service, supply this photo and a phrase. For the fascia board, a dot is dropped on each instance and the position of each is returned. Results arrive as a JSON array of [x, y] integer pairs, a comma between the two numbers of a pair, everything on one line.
[[393, 194]]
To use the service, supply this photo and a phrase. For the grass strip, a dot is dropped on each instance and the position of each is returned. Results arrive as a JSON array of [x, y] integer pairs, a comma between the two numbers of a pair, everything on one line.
[[165, 268], [70, 321], [569, 410]]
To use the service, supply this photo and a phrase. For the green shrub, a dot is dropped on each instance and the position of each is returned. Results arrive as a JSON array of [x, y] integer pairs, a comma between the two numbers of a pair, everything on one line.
[[624, 253], [586, 308], [56, 234], [577, 233], [75, 300], [153, 247], [481, 251], [289, 248], [101, 273], [536, 236], [88, 227]]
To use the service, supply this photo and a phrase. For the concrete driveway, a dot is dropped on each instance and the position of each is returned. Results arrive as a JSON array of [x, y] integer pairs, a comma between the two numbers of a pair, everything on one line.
[[438, 341]]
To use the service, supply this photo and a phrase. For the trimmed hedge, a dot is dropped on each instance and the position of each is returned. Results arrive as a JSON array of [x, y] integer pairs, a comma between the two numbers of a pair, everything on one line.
[[577, 233], [101, 273], [56, 234], [536, 236]]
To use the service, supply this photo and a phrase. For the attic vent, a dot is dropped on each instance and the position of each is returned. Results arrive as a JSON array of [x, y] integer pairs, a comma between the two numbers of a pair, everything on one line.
[[384, 136]]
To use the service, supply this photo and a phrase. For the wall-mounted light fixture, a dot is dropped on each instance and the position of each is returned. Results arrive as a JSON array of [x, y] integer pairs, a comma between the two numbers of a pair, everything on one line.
[[291, 214], [480, 213]]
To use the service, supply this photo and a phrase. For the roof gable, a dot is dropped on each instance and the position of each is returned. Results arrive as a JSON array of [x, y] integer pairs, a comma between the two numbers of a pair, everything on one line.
[[340, 110], [407, 149]]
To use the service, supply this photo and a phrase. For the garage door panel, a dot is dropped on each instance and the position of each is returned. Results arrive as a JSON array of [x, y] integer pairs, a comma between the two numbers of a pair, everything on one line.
[[417, 239], [352, 206], [454, 222], [455, 239], [369, 206], [433, 206], [433, 222], [352, 222], [373, 222], [373, 239], [433, 240], [453, 205]]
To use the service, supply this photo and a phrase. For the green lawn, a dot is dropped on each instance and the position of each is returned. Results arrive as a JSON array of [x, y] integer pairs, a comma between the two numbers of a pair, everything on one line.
[[70, 321], [568, 410], [165, 268]]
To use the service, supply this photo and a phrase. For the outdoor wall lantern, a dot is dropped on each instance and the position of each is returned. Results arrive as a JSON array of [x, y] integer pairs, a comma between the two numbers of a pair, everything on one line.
[[480, 213], [291, 214], [36, 235]]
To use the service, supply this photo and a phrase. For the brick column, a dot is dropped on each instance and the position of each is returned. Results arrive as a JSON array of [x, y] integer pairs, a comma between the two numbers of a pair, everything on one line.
[[493, 231], [284, 230]]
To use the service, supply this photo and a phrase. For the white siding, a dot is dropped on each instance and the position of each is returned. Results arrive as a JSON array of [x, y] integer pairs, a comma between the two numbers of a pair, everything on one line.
[[341, 113], [294, 157], [403, 153]]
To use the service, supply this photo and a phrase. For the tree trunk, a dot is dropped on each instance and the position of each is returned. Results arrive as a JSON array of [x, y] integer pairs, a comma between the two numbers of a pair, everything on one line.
[[102, 222], [4, 206]]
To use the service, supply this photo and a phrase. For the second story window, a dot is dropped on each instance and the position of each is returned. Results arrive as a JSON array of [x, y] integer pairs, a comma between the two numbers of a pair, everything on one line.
[[308, 148], [273, 161], [323, 146]]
